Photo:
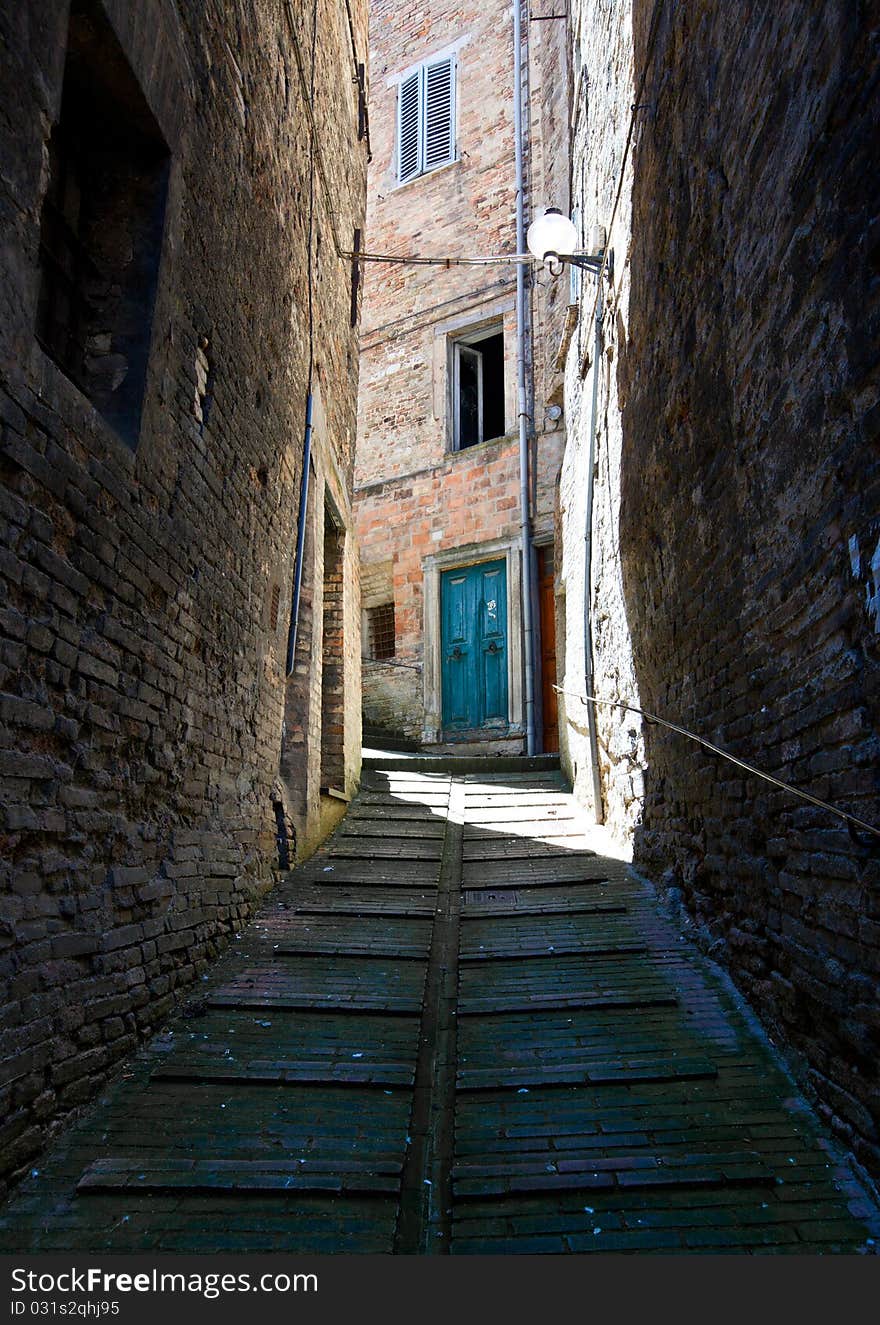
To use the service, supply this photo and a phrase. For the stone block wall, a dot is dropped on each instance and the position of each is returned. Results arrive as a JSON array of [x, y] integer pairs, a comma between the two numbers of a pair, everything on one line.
[[738, 465], [602, 81], [146, 578]]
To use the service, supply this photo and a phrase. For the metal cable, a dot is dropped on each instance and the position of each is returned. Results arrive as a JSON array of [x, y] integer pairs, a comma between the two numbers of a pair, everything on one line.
[[307, 90], [499, 259], [851, 819]]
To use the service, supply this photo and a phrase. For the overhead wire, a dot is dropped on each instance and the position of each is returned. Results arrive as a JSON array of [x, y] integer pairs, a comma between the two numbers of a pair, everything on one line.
[[307, 435], [441, 260], [625, 706], [307, 89], [313, 148]]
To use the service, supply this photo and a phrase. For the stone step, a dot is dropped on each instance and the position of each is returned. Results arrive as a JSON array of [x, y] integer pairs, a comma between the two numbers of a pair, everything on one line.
[[457, 765], [342, 1174], [631, 1172], [326, 1072], [565, 1073]]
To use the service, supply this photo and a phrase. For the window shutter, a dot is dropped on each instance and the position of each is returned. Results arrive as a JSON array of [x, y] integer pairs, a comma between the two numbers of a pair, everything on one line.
[[408, 153], [439, 113]]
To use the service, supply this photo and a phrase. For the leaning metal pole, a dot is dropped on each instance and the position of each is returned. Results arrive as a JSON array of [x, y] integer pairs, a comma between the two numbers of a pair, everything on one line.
[[521, 395]]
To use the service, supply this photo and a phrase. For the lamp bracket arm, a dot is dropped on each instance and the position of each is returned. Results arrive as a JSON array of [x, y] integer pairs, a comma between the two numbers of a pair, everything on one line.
[[589, 263]]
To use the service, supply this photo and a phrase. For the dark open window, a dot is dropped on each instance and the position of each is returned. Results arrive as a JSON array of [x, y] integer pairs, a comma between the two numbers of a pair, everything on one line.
[[101, 224], [478, 388], [381, 629]]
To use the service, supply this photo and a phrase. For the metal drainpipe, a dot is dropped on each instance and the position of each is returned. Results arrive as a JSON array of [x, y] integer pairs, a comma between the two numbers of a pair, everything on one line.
[[300, 537], [588, 566], [525, 521]]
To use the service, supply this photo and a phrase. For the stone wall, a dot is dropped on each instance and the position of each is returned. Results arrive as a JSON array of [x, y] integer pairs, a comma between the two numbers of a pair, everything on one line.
[[738, 486], [147, 573], [602, 82]]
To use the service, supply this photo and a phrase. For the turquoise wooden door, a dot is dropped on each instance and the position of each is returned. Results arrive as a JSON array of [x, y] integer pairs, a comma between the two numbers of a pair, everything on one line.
[[473, 642]]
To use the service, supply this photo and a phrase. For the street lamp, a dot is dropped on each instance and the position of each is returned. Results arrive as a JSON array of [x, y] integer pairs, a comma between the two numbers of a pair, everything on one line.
[[552, 239]]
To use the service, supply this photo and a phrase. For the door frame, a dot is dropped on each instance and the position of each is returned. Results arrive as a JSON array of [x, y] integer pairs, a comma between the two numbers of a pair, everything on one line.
[[433, 567], [543, 545], [461, 349]]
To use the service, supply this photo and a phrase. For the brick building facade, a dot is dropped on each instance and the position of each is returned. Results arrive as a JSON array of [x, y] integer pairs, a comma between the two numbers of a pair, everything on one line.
[[734, 577], [437, 498], [163, 199]]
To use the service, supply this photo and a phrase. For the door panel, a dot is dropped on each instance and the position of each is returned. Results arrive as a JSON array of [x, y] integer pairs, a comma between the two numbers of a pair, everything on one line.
[[474, 647], [457, 650], [492, 620]]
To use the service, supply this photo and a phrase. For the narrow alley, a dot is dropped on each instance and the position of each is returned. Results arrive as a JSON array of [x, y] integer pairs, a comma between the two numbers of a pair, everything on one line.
[[459, 1027], [439, 630]]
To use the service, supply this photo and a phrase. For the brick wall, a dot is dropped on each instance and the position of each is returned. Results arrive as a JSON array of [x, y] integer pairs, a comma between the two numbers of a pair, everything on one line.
[[142, 684], [415, 496], [469, 499], [738, 485], [602, 78]]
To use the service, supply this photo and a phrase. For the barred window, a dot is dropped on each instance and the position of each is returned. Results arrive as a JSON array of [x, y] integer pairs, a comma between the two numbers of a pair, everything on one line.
[[380, 621], [274, 606]]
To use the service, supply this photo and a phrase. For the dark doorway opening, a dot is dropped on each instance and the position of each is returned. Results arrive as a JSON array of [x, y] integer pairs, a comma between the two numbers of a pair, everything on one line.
[[547, 608], [333, 659]]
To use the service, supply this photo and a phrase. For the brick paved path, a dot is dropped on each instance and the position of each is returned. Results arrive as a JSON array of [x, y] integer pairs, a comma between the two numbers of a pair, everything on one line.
[[456, 1027]]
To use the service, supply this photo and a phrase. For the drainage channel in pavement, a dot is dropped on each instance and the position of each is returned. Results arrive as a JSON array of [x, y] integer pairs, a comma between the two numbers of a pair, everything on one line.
[[461, 1026]]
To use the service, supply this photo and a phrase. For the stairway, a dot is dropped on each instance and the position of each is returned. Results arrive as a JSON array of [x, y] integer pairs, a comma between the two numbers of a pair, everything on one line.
[[458, 1027]]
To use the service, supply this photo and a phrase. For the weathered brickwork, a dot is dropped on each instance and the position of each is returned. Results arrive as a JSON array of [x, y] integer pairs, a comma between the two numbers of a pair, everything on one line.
[[735, 532], [146, 577], [416, 496], [468, 500]]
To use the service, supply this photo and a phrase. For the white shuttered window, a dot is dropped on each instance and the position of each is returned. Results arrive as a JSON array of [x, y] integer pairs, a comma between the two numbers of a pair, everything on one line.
[[426, 119], [408, 123]]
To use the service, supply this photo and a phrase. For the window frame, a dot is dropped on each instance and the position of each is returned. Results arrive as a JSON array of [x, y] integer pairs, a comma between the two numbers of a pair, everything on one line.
[[421, 72], [384, 634], [105, 114], [469, 340], [459, 349]]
